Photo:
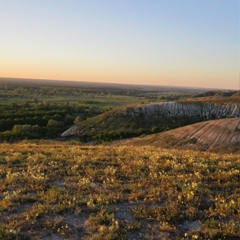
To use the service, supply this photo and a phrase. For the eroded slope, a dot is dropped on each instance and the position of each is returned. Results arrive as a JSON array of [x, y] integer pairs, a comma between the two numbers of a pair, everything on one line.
[[217, 135], [137, 120]]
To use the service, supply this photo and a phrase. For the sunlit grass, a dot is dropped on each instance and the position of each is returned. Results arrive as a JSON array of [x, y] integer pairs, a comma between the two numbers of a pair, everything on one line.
[[81, 192]]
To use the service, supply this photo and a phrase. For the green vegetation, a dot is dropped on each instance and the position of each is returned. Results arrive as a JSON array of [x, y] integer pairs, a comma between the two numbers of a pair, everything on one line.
[[44, 109], [66, 191], [111, 126], [45, 112], [47, 120]]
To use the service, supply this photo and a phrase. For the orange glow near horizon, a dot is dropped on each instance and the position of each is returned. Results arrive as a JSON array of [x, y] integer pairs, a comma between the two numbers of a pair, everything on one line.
[[142, 79], [163, 43], [126, 75]]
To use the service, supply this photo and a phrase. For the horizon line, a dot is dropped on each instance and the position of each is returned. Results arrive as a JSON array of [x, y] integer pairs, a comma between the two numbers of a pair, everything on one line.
[[114, 83]]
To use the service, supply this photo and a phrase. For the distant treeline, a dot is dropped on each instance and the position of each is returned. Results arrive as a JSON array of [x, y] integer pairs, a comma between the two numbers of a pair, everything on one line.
[[40, 120]]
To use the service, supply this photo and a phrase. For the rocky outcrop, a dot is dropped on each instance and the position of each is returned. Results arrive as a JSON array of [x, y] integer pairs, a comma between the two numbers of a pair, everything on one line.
[[204, 111], [70, 132]]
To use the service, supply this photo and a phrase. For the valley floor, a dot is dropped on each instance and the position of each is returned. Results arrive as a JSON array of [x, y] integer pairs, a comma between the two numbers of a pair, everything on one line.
[[63, 191]]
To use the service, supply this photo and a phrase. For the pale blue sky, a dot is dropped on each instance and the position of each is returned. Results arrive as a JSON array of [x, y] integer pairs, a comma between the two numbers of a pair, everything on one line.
[[164, 42]]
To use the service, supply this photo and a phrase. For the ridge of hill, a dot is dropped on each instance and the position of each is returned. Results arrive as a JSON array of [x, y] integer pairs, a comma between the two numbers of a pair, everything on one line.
[[222, 135], [218, 94], [217, 97], [133, 121]]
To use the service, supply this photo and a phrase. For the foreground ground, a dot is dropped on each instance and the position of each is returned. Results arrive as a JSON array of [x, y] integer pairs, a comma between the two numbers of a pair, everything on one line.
[[60, 191]]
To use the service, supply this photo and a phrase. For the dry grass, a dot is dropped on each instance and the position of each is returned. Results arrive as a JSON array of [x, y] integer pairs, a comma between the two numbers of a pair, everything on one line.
[[60, 191]]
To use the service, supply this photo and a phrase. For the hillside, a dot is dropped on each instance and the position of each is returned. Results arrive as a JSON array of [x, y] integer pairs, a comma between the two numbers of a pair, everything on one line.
[[215, 95], [59, 191], [215, 135], [148, 118]]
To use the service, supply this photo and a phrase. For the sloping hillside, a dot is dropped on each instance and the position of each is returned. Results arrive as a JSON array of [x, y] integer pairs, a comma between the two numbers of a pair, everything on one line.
[[217, 135], [218, 94], [217, 97], [145, 119]]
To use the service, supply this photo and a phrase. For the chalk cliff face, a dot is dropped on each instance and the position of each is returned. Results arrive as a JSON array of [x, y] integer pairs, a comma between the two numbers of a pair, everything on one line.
[[165, 116], [204, 111]]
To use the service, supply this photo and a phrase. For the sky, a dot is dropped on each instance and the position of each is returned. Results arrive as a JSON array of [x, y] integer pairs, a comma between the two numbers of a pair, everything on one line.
[[194, 43]]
